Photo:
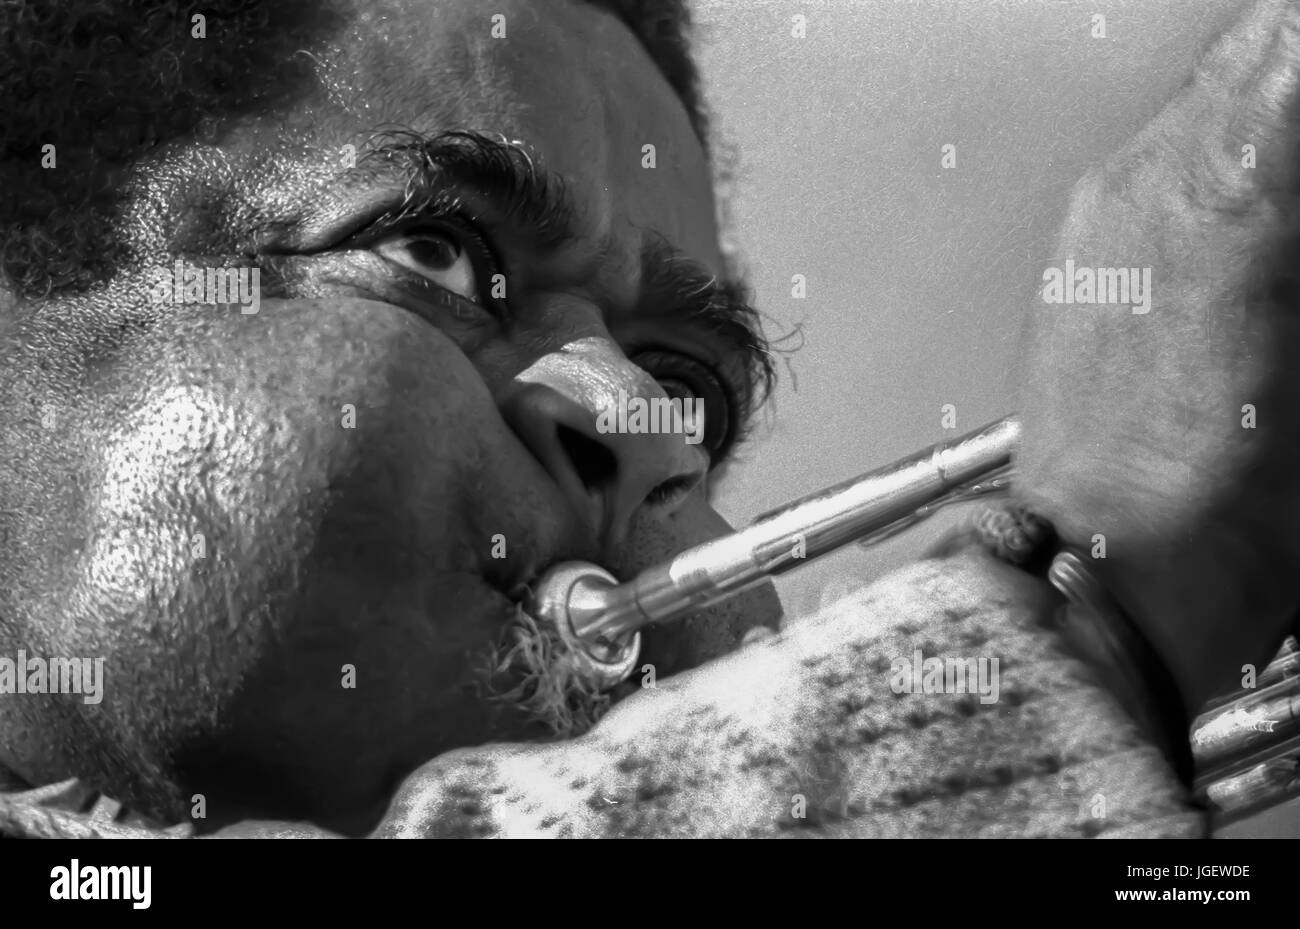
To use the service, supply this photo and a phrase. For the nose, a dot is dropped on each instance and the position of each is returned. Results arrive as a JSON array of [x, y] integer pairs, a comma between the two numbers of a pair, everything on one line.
[[555, 406]]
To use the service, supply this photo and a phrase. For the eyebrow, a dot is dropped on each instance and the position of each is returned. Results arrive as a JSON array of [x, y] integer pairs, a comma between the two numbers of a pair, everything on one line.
[[439, 169]]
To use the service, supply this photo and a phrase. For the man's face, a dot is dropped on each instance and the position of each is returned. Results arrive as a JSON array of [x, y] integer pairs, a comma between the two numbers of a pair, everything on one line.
[[295, 535]]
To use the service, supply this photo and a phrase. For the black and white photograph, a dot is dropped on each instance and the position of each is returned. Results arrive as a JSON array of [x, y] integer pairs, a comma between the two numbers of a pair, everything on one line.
[[650, 419]]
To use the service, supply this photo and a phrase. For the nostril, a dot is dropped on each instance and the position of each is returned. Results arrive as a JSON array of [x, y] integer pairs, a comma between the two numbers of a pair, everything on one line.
[[595, 464]]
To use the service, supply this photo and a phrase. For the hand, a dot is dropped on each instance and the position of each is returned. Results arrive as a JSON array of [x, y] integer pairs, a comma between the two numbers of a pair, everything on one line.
[[1170, 432]]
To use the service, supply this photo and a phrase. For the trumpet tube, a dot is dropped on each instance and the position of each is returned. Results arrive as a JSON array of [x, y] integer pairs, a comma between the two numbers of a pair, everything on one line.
[[1247, 743], [599, 619], [879, 502]]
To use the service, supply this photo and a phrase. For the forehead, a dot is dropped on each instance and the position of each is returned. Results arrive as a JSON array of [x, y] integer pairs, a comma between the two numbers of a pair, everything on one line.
[[568, 78]]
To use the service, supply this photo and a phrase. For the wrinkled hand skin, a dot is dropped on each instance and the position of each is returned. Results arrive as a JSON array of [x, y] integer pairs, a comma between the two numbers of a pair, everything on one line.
[[727, 749], [1133, 423]]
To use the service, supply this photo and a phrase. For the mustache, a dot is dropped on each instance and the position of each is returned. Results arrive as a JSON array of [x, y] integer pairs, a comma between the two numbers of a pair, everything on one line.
[[530, 673]]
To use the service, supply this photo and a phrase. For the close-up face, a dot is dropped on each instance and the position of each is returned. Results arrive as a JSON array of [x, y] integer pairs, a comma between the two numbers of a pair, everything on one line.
[[383, 384], [299, 536]]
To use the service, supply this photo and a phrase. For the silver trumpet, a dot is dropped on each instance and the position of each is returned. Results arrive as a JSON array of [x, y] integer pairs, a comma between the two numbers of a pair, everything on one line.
[[1246, 744], [600, 619]]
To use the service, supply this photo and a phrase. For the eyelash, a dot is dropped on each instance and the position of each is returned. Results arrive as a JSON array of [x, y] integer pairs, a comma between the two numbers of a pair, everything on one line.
[[672, 365], [440, 220]]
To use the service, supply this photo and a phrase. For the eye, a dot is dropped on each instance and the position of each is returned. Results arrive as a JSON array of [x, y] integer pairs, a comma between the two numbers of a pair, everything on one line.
[[682, 377], [452, 256]]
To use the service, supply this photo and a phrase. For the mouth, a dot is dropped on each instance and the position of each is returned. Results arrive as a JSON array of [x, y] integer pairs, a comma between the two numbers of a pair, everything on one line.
[[516, 577], [531, 672]]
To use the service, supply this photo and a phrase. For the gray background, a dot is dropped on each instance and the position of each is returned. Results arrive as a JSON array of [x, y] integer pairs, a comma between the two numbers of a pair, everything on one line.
[[917, 277]]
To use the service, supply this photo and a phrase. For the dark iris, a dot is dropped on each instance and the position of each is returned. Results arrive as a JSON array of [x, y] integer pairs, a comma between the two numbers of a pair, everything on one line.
[[450, 254], [435, 248], [682, 377]]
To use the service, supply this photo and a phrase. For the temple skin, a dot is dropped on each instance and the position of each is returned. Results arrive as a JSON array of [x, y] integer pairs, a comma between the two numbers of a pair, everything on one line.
[[223, 676]]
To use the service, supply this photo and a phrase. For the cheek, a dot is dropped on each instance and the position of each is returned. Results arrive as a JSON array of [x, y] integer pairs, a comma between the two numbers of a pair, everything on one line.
[[288, 527]]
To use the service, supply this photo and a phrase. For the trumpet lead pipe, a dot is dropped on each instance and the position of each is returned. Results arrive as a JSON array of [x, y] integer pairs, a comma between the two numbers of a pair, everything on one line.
[[880, 501]]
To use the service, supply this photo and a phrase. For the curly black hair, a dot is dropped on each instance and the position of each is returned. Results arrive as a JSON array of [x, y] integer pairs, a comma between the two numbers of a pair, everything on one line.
[[106, 82]]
